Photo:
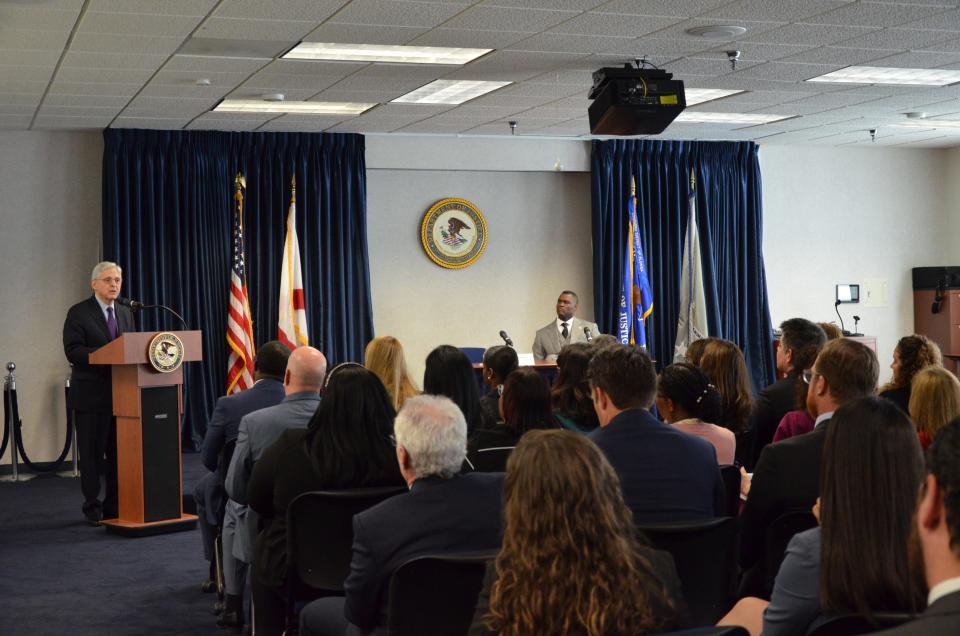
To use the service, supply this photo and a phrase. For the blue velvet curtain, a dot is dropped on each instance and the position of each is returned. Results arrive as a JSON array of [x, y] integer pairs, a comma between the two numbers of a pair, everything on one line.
[[729, 217], [167, 205]]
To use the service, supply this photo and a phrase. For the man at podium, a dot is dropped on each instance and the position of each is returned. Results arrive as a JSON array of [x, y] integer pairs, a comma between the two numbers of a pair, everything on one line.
[[90, 324], [567, 328]]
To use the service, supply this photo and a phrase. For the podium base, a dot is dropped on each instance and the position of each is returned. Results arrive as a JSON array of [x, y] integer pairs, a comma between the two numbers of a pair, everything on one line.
[[135, 529]]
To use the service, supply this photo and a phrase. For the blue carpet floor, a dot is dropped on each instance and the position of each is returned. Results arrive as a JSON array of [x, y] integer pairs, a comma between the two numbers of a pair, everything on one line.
[[61, 576]]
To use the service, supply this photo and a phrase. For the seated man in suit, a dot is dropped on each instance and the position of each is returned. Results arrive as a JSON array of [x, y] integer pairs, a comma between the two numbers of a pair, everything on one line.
[[787, 475], [800, 342], [498, 363], [666, 475], [444, 512], [268, 368], [938, 536], [302, 381], [565, 329]]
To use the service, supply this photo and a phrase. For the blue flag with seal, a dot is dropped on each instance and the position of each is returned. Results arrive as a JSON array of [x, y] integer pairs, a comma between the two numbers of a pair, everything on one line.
[[636, 297]]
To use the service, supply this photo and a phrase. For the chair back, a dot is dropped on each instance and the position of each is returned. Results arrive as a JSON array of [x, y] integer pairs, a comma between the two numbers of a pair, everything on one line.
[[475, 354], [436, 594], [726, 630], [853, 624], [320, 533], [731, 482], [779, 533], [705, 556], [489, 460]]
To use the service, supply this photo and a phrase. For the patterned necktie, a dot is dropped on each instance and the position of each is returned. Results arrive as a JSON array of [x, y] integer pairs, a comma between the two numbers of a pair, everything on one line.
[[111, 323], [564, 331]]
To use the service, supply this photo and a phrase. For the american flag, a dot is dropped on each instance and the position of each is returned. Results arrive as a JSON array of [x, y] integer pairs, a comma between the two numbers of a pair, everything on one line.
[[239, 323]]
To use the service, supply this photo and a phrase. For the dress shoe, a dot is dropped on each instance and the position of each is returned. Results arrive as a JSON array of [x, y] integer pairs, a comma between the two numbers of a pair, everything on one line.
[[93, 516], [230, 620], [218, 608], [208, 587]]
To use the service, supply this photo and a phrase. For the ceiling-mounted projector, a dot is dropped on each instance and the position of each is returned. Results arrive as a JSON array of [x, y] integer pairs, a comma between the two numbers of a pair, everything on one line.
[[634, 101]]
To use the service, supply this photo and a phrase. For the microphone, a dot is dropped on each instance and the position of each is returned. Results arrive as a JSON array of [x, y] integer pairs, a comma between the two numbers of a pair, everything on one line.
[[856, 328], [135, 305], [132, 304], [506, 339], [843, 329], [586, 332]]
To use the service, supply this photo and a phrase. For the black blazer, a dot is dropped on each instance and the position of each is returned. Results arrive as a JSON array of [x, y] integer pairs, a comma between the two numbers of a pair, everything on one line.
[[787, 476], [771, 405], [85, 331], [940, 619]]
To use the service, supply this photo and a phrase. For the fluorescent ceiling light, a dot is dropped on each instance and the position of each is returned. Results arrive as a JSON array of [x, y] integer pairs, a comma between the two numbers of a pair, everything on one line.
[[885, 75], [931, 123], [696, 96], [449, 92], [383, 53], [697, 117], [304, 108]]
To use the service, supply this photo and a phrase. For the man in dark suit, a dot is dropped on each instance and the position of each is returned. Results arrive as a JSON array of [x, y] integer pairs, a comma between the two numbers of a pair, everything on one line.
[[269, 366], [444, 512], [937, 539], [787, 475], [666, 474], [89, 325], [800, 342], [565, 329]]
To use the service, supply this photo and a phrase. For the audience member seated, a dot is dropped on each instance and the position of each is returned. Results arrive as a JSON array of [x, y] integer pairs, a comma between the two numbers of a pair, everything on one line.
[[857, 561], [722, 362], [570, 395], [498, 362], [524, 406], [936, 540], [787, 475], [830, 330], [444, 512], [449, 373], [695, 351], [911, 354], [799, 421], [302, 382], [346, 445], [800, 342], [384, 356], [269, 366], [666, 474], [602, 340], [572, 561], [934, 401], [688, 402]]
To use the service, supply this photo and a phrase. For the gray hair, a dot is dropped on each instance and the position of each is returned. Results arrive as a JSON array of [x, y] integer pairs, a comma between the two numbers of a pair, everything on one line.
[[434, 432], [103, 266]]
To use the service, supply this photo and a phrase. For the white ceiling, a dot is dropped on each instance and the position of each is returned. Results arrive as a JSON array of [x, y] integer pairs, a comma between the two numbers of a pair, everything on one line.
[[82, 64]]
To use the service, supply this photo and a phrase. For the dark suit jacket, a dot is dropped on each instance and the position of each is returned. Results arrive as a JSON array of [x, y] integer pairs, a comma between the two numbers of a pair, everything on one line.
[[940, 619], [667, 475], [771, 405], [230, 409], [900, 397], [786, 476], [456, 515], [84, 331]]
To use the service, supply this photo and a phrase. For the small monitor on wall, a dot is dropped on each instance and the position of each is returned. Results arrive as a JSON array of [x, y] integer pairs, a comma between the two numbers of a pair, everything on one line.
[[848, 293]]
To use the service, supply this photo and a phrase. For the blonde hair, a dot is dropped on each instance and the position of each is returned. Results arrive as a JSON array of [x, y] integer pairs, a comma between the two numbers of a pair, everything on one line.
[[934, 399], [384, 357]]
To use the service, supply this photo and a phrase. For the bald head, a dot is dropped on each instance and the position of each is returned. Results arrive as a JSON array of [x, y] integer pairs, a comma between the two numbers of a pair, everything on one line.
[[306, 370]]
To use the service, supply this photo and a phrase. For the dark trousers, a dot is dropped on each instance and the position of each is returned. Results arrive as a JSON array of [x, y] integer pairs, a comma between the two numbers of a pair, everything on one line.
[[269, 607], [97, 446]]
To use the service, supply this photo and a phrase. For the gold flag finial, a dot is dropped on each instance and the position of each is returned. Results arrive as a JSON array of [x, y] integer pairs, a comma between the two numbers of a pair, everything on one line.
[[633, 187], [693, 179], [293, 188], [240, 181]]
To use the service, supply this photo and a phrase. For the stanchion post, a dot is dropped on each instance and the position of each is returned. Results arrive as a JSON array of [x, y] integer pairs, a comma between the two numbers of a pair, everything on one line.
[[72, 424], [9, 386]]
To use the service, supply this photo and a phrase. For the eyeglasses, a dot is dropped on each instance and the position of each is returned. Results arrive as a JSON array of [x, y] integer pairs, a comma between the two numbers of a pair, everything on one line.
[[808, 375], [393, 439], [116, 280]]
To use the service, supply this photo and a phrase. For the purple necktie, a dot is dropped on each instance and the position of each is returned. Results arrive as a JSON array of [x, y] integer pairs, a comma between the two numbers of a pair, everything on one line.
[[111, 323]]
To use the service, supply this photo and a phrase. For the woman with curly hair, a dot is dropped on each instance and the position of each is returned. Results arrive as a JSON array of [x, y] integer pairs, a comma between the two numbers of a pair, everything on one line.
[[570, 394], [384, 356], [911, 354], [568, 567], [724, 365]]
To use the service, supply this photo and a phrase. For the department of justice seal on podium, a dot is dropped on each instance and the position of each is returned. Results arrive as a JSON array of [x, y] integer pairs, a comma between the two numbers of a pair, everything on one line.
[[165, 352], [453, 233]]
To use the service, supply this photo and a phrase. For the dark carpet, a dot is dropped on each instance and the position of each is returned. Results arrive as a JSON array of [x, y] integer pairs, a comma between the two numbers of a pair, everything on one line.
[[61, 576]]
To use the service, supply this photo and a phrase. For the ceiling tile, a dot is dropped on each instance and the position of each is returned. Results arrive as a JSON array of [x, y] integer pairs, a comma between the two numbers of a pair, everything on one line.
[[93, 88], [120, 76], [918, 59], [396, 13], [675, 8], [84, 59], [155, 7], [714, 67], [153, 123], [809, 34], [200, 63], [608, 24], [25, 16], [83, 101], [786, 71], [124, 44], [60, 122], [202, 123], [512, 65], [300, 10], [567, 43], [240, 29], [559, 5], [137, 24], [897, 39], [26, 57], [20, 39], [875, 14], [776, 10], [507, 19], [367, 34], [946, 21], [469, 38], [837, 56], [754, 30]]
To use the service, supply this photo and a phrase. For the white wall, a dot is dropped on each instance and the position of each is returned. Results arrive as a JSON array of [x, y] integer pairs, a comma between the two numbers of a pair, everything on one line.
[[49, 242], [835, 215]]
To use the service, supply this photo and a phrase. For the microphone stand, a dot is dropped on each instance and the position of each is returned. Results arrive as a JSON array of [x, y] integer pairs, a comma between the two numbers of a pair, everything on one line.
[[843, 329]]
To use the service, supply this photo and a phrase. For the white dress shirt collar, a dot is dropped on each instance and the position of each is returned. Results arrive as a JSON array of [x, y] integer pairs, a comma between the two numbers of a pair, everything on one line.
[[943, 588]]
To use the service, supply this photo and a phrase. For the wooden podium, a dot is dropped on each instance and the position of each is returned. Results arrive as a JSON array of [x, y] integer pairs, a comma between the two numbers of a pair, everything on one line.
[[147, 405]]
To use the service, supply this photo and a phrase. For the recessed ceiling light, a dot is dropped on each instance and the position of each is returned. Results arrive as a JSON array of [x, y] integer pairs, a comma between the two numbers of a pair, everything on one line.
[[273, 97], [203, 81], [718, 31], [383, 53], [449, 92], [915, 115], [305, 108], [698, 117], [700, 95], [886, 75]]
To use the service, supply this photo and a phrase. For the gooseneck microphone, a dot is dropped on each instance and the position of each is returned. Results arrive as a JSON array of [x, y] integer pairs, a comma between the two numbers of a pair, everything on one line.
[[132, 304], [136, 305], [506, 339], [586, 332], [836, 307]]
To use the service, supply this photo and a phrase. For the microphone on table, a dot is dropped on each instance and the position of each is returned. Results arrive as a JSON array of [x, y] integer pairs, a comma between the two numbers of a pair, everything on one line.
[[586, 332], [843, 329], [506, 338]]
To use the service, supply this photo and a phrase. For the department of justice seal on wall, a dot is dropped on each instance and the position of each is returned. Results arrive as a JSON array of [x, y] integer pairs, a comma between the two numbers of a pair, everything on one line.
[[165, 352], [453, 233]]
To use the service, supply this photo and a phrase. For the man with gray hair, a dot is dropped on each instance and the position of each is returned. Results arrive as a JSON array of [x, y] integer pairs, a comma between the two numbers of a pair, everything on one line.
[[444, 512], [90, 324]]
